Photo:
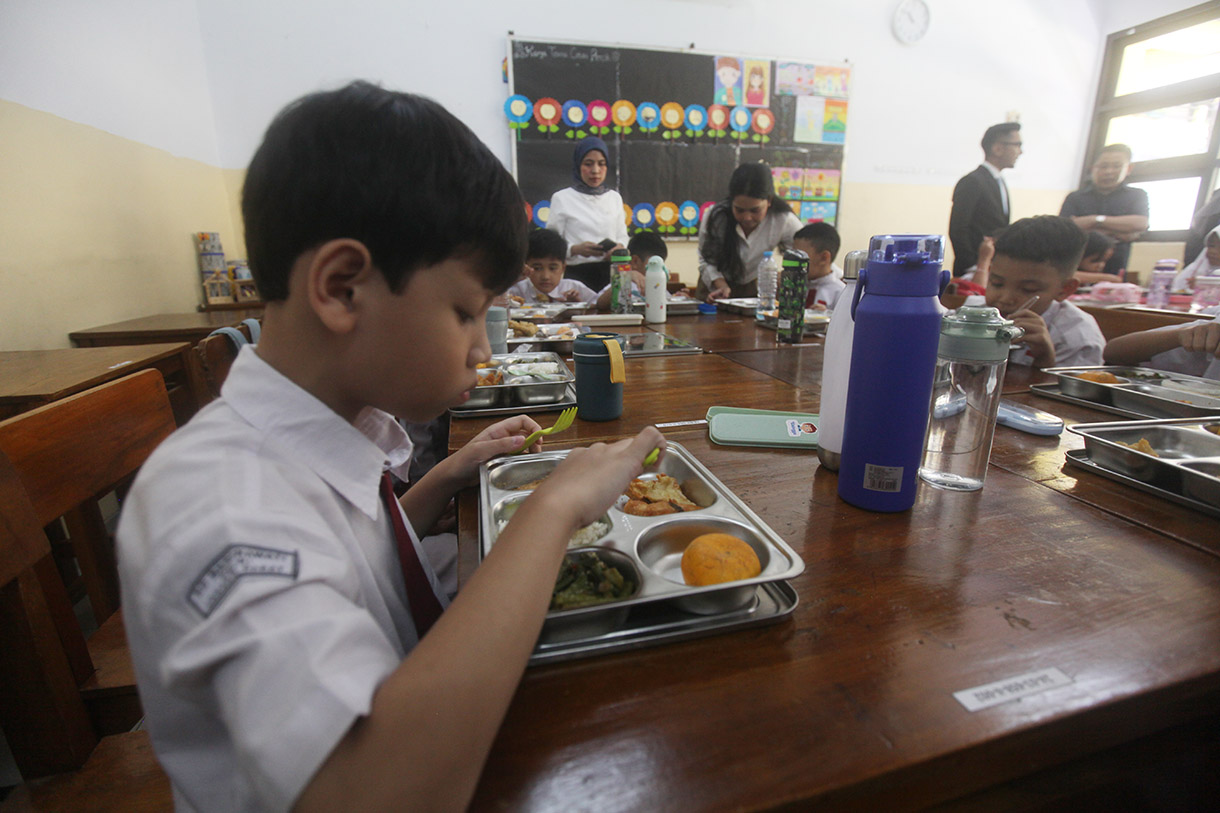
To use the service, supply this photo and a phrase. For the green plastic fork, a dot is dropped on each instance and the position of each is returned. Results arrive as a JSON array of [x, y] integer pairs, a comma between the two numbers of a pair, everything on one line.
[[565, 420]]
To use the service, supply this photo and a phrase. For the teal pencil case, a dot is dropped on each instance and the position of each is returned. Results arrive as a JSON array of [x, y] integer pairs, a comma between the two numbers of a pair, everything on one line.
[[735, 426]]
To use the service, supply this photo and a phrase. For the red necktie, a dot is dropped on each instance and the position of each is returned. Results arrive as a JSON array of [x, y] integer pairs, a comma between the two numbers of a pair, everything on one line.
[[425, 607]]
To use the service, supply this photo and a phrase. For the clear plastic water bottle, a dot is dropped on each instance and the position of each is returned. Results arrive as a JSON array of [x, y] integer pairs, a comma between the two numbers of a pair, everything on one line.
[[620, 281], [836, 364], [768, 286], [893, 358], [970, 363], [1162, 280]]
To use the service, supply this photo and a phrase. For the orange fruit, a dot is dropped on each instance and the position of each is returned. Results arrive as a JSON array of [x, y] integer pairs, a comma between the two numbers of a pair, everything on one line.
[[718, 558]]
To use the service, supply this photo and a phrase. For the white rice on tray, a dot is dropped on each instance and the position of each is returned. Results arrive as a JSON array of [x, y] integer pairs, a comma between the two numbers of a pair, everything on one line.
[[582, 538]]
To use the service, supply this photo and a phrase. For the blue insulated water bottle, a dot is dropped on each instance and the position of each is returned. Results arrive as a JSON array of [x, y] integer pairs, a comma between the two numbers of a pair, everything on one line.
[[893, 359]]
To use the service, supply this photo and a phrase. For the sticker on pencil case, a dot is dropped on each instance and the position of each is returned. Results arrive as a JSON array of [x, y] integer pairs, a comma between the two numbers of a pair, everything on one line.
[[797, 428], [236, 561], [1013, 688]]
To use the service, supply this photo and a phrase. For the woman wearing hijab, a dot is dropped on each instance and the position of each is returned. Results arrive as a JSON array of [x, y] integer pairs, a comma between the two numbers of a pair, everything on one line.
[[737, 231], [1207, 264], [587, 214]]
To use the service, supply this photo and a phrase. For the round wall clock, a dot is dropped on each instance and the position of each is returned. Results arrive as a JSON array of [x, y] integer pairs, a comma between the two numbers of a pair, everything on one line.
[[911, 21]]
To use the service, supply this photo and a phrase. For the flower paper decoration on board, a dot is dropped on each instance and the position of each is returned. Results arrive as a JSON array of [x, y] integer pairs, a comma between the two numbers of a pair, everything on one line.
[[739, 120], [688, 216], [696, 120], [529, 211], [518, 109], [718, 120], [627, 215], [600, 117], [762, 123], [644, 215], [703, 209], [623, 114], [667, 216], [542, 213], [672, 116], [575, 115], [547, 112], [649, 116]]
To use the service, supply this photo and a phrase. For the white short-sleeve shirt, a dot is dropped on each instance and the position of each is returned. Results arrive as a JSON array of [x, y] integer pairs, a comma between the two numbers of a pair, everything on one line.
[[526, 290], [1077, 339], [1187, 362], [262, 590]]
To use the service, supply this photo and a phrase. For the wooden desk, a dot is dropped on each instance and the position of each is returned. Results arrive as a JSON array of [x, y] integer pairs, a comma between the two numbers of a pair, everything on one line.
[[850, 702], [1119, 321], [722, 331], [32, 378], [164, 327]]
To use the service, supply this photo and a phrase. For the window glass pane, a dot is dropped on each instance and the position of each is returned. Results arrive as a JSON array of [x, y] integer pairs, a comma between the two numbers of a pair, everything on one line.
[[1185, 129], [1174, 57], [1171, 203]]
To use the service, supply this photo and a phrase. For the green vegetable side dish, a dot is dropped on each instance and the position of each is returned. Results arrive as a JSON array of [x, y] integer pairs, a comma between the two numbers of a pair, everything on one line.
[[585, 580]]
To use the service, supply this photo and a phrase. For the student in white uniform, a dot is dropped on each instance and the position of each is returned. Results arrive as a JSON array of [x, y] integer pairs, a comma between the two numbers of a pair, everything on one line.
[[1036, 259], [821, 242], [545, 265], [290, 643], [589, 215], [1192, 348]]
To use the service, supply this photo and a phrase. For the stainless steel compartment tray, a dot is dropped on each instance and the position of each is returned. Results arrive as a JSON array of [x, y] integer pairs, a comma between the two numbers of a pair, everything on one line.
[[1081, 459], [1143, 391], [1054, 392], [524, 392], [568, 400], [1186, 460], [650, 541]]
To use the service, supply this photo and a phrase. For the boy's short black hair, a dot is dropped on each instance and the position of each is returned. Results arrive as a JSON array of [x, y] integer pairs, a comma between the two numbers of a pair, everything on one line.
[[1097, 244], [1119, 148], [997, 131], [1049, 239], [393, 170], [545, 244], [647, 244], [822, 235]]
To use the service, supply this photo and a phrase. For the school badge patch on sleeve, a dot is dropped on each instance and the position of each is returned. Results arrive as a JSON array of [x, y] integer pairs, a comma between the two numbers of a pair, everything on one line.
[[236, 561]]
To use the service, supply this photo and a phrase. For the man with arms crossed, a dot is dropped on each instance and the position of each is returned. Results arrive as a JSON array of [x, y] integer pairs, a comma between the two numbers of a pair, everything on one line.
[[1109, 205]]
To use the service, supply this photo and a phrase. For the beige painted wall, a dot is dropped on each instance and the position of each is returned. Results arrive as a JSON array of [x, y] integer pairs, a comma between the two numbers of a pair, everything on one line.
[[96, 228]]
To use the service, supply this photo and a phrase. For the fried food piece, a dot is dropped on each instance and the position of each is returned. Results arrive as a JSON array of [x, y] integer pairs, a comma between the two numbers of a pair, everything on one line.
[[486, 365], [661, 489], [516, 300], [522, 329], [640, 508], [718, 558], [531, 485], [1099, 377], [493, 377], [1142, 445], [1214, 428]]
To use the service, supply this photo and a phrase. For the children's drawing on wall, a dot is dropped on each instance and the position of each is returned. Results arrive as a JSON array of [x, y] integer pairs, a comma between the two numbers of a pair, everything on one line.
[[812, 211], [829, 80], [758, 83], [728, 81], [810, 115], [794, 79], [834, 127], [821, 184], [787, 181]]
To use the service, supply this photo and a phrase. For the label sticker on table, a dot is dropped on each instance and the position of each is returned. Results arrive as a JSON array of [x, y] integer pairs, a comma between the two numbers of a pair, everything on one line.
[[1013, 688]]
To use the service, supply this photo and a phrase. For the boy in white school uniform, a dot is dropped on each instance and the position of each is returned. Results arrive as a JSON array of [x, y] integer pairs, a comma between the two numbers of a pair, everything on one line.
[[1029, 281], [289, 639], [1192, 348], [545, 264], [821, 242]]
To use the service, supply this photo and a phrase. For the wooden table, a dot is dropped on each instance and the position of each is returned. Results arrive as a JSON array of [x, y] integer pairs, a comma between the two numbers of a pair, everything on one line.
[[163, 327], [849, 703], [723, 331], [32, 378]]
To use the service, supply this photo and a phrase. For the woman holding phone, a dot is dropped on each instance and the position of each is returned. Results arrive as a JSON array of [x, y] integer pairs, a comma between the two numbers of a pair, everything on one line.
[[589, 216]]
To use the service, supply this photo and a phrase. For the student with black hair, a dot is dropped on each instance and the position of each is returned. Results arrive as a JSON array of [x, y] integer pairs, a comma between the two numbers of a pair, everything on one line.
[[291, 646], [1032, 274], [1098, 249], [737, 231], [981, 206], [545, 263], [821, 242], [643, 246]]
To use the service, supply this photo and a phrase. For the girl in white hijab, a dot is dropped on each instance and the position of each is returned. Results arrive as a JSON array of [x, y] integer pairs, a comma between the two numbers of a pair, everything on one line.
[[1207, 264]]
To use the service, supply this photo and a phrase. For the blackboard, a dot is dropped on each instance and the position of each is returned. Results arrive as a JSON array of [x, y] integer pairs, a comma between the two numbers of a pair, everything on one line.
[[799, 129]]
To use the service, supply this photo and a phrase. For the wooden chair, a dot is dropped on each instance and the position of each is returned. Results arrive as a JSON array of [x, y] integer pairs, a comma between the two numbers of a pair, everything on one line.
[[216, 353], [42, 712], [68, 455]]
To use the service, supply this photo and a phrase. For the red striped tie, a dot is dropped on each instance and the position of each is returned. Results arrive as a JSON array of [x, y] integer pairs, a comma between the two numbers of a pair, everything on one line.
[[425, 607]]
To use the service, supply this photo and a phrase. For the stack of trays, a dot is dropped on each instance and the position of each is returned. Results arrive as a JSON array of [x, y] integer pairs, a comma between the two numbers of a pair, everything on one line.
[[1140, 391], [1179, 458], [527, 380], [647, 551]]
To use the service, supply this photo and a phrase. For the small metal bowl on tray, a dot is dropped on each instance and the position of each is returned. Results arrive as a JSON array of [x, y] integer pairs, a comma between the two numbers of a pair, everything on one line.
[[660, 549], [1070, 383], [1174, 442], [596, 619]]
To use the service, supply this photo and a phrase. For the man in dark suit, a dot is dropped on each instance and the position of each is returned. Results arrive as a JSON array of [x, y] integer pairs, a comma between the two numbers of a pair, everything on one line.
[[980, 199]]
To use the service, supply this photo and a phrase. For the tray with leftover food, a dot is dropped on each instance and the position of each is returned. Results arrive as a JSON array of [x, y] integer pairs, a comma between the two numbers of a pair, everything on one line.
[[743, 305], [676, 521], [1180, 456], [545, 310], [637, 345], [519, 379], [1142, 391]]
